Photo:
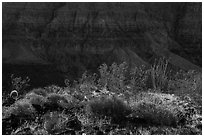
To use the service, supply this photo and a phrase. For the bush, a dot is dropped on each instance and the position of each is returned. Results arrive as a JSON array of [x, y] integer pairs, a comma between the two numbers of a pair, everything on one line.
[[87, 84], [52, 120], [36, 99], [89, 79], [39, 91], [52, 101], [139, 78], [113, 77], [156, 108], [149, 113], [19, 84], [22, 108], [54, 89], [59, 123], [58, 102], [159, 74], [187, 84], [110, 106]]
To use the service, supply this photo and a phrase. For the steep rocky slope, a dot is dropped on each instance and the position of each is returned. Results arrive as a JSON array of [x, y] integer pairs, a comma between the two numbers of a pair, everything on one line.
[[80, 36]]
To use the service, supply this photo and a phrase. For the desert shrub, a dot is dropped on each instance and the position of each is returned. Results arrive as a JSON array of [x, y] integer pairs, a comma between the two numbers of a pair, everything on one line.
[[94, 124], [88, 78], [6, 112], [22, 108], [157, 108], [39, 91], [189, 112], [40, 131], [52, 101], [110, 106], [198, 83], [190, 80], [60, 123], [56, 101], [36, 99], [113, 77], [159, 74], [149, 113], [19, 84], [165, 130], [139, 78], [78, 95], [58, 90], [54, 89], [82, 87], [52, 120], [186, 84], [17, 114], [29, 128]]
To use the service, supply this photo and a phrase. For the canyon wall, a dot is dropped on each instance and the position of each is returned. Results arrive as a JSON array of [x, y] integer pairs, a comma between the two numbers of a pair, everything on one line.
[[80, 36]]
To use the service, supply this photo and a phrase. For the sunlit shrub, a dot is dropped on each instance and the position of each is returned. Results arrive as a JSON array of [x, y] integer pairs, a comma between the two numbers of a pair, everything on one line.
[[57, 123], [159, 74], [139, 77], [153, 114], [113, 77], [53, 89], [187, 84], [36, 99], [110, 106], [56, 101], [185, 80], [17, 84], [54, 122], [40, 132], [88, 78], [157, 108], [29, 128], [39, 91], [22, 108]]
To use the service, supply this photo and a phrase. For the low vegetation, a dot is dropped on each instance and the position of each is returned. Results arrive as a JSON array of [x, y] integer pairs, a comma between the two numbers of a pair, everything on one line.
[[117, 100]]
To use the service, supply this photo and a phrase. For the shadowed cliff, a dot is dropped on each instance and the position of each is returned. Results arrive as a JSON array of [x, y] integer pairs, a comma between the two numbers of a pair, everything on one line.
[[74, 37]]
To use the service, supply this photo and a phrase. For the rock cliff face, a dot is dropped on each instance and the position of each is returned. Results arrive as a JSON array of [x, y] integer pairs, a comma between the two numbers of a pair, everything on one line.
[[80, 36]]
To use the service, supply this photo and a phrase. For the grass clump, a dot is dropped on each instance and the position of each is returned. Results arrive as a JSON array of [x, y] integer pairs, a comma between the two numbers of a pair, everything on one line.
[[36, 99], [58, 102], [109, 106], [155, 109], [44, 101], [149, 113], [17, 114], [39, 91], [54, 89], [22, 108]]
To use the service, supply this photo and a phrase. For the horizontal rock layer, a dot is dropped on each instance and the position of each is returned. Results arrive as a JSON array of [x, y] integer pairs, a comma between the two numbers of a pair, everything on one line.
[[85, 35]]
